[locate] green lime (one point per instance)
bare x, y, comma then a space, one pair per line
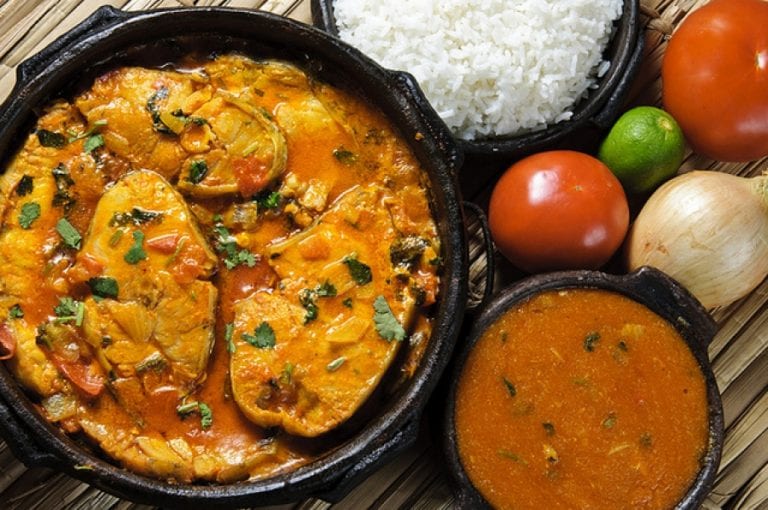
644, 148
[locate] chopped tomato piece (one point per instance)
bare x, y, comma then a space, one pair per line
165, 243
84, 376
252, 175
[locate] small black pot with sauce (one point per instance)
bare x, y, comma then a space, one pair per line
647, 286
110, 38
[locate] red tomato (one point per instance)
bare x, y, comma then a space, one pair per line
558, 210
715, 79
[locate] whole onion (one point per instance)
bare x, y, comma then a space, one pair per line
709, 231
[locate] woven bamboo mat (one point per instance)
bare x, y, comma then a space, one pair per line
739, 352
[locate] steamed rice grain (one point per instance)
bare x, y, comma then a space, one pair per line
488, 67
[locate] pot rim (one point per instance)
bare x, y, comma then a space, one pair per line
334, 473
651, 288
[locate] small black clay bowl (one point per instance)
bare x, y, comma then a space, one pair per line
596, 112
647, 286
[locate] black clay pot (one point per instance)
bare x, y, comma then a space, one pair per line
647, 286
110, 38
596, 112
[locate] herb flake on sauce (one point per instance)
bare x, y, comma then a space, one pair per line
360, 273
29, 213
68, 233
263, 336
136, 253
590, 341
385, 321
509, 386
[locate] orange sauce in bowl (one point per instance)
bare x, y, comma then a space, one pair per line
581, 399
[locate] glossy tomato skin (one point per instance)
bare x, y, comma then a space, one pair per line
715, 79
558, 210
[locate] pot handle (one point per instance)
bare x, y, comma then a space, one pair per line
407, 84
615, 102
481, 257
21, 440
102, 17
690, 317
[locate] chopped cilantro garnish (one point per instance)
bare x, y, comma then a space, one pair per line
25, 186
308, 298
136, 217
347, 302
69, 309
263, 336
198, 169
233, 254
104, 286
51, 139
360, 273
229, 328
92, 143
29, 213
136, 252
385, 321
154, 110
63, 180
335, 364
590, 340
509, 386
68, 233
201, 408
15, 312
268, 199
344, 155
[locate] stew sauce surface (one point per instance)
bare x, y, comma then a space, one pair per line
206, 270
581, 399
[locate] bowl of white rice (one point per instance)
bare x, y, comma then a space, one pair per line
508, 78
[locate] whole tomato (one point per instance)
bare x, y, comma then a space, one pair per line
715, 79
558, 210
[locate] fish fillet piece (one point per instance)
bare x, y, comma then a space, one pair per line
144, 238
308, 354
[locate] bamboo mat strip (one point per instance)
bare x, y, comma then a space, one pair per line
739, 351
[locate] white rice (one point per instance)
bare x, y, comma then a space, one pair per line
488, 67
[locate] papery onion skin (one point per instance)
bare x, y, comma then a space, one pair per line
709, 231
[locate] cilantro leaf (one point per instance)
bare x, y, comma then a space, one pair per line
135, 216
308, 298
360, 273
136, 252
25, 186
206, 415
344, 156
387, 325
198, 169
62, 197
104, 286
591, 340
68, 233
268, 199
15, 312
263, 336
29, 213
92, 143
229, 329
201, 408
51, 139
68, 310
233, 255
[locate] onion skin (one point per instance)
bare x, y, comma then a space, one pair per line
709, 231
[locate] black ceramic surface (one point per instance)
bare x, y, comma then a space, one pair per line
597, 111
648, 286
109, 38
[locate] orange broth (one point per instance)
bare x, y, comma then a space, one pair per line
581, 399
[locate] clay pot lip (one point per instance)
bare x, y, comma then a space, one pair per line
648, 286
107, 38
